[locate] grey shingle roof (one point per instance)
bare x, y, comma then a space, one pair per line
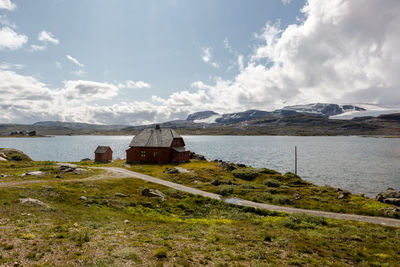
154, 138
180, 149
101, 149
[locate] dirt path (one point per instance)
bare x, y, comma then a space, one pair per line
247, 203
117, 173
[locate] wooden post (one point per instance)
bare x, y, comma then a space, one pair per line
295, 160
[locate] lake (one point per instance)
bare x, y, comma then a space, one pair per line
358, 164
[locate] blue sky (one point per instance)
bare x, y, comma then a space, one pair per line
139, 62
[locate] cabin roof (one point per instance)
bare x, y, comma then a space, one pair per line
101, 149
154, 138
180, 149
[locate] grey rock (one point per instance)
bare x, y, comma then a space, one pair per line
83, 198
296, 196
33, 202
171, 171
153, 193
59, 176
390, 196
120, 195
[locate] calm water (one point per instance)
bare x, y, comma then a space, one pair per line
368, 165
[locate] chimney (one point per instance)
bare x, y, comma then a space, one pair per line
157, 126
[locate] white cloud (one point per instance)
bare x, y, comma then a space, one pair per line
35, 48
11, 40
342, 51
7, 4
10, 66
207, 57
133, 84
6, 22
80, 73
89, 90
75, 61
58, 65
45, 36
285, 2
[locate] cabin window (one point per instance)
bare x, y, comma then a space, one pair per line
155, 154
143, 154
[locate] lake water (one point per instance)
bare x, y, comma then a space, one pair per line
358, 164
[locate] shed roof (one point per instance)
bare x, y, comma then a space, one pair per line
154, 138
101, 149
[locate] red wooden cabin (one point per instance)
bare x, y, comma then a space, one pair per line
103, 154
157, 146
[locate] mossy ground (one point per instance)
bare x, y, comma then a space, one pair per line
268, 187
183, 230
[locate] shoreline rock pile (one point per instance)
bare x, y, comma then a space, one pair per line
389, 196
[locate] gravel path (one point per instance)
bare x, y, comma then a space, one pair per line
115, 172
361, 218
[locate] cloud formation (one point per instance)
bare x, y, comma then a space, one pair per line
340, 51
207, 57
10, 40
75, 61
45, 36
133, 84
7, 4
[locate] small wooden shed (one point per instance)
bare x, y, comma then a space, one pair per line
103, 154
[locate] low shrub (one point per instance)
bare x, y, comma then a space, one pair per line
272, 183
225, 190
267, 171
281, 199
245, 174
301, 220
160, 253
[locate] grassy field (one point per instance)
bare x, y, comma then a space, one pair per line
104, 228
267, 187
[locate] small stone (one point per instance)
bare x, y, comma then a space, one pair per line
126, 221
83, 198
120, 195
297, 196
75, 225
59, 176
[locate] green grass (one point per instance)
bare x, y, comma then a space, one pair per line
267, 187
183, 230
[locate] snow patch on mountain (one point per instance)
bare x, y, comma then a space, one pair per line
211, 119
369, 110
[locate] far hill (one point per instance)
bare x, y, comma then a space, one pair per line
311, 119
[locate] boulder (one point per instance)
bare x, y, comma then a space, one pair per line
33, 202
120, 195
85, 159
389, 196
38, 173
197, 156
2, 159
153, 193
388, 193
171, 171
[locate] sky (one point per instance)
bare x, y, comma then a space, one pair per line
139, 62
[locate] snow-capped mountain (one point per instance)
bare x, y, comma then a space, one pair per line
332, 111
325, 109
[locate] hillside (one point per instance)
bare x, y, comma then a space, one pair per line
94, 218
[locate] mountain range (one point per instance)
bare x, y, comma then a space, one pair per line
310, 119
